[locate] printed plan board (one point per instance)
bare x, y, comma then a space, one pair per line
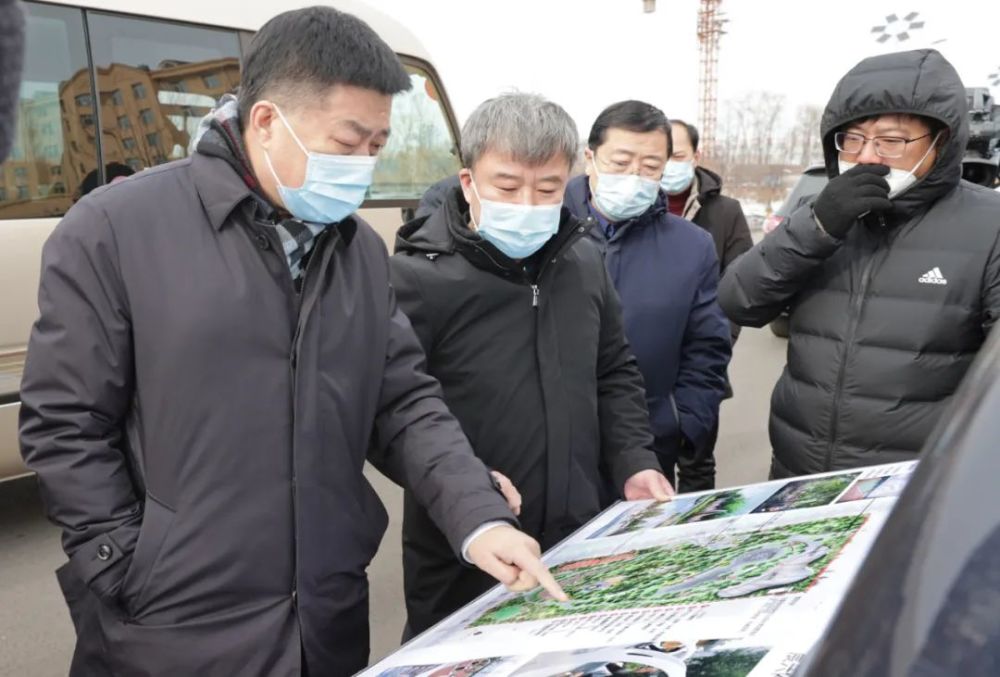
735, 582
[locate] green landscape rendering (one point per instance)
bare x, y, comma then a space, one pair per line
773, 560
808, 493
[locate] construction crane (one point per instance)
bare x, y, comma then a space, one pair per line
710, 25
710, 28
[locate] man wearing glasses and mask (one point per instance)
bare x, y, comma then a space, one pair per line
891, 274
665, 270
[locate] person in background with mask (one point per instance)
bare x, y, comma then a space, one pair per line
891, 275
665, 270
695, 193
219, 351
524, 331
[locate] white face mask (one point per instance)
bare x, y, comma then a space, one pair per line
899, 180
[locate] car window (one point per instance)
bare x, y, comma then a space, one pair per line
54, 146
156, 81
422, 149
809, 185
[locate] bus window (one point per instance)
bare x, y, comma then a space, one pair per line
54, 147
421, 149
157, 80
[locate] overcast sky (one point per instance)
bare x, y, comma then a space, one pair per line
585, 54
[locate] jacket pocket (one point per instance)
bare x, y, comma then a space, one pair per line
156, 522
75, 592
85, 610
676, 412
664, 417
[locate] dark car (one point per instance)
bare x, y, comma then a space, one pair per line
808, 186
924, 603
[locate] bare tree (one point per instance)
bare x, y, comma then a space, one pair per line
765, 109
754, 146
420, 151
807, 129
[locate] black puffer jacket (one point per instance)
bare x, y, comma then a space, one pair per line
884, 324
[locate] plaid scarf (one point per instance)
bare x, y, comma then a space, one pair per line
220, 135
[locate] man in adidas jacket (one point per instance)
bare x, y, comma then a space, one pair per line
891, 275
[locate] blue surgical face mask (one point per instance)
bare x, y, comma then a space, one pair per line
334, 186
623, 196
677, 177
516, 230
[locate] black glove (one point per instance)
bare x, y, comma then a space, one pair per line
850, 196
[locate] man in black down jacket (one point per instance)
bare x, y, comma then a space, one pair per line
523, 329
891, 275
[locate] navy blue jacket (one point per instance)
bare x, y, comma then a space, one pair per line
667, 272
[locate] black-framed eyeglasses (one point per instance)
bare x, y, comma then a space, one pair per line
619, 166
889, 147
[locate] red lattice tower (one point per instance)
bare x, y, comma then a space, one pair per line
710, 23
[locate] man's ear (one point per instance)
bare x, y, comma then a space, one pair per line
471, 197
588, 162
263, 117
465, 179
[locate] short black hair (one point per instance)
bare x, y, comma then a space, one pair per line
317, 47
935, 125
632, 116
692, 131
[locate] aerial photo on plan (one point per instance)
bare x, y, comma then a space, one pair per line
782, 559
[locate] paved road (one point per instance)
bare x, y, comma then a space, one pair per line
35, 632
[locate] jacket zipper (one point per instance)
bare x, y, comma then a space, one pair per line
541, 387
315, 254
535, 288
855, 319
535, 294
